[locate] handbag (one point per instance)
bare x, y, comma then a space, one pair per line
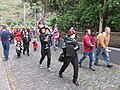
61, 57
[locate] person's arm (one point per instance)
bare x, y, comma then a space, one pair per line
42, 39
77, 46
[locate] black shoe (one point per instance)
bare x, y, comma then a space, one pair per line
75, 82
60, 75
109, 66
92, 69
96, 64
28, 54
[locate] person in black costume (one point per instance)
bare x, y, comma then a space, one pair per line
45, 39
69, 50
26, 41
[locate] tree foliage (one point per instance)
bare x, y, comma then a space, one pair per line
80, 13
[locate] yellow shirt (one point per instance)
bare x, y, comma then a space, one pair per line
103, 41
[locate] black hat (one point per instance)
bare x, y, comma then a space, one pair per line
41, 29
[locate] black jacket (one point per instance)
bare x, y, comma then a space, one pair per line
43, 43
70, 44
26, 40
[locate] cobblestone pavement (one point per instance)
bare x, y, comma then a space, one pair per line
26, 74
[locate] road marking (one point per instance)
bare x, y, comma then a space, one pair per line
117, 49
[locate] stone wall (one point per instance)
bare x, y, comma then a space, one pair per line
114, 42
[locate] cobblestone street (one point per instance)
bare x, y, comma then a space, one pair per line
24, 74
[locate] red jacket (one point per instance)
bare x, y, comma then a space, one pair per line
87, 43
35, 45
18, 36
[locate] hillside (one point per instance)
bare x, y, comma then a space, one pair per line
12, 10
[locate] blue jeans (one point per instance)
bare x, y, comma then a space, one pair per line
99, 52
6, 47
55, 43
91, 56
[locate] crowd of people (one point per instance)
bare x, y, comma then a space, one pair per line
48, 37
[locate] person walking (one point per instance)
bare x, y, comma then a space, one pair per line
45, 39
56, 37
70, 48
35, 45
88, 50
26, 42
5, 35
103, 42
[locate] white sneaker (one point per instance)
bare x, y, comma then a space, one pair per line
40, 65
49, 69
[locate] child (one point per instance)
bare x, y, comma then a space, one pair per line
18, 49
48, 36
35, 45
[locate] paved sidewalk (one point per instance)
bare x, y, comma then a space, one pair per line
26, 74
4, 84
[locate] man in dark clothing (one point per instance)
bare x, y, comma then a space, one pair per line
5, 34
71, 46
45, 47
26, 42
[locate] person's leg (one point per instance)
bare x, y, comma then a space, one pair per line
27, 47
24, 48
75, 66
85, 54
99, 51
106, 57
91, 56
43, 54
48, 58
18, 53
6, 47
54, 44
66, 62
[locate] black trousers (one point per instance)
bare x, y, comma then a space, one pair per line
74, 62
44, 54
26, 47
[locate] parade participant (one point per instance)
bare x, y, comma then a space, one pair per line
55, 37
88, 50
26, 41
12, 37
18, 36
35, 45
5, 34
45, 47
93, 38
18, 49
102, 49
69, 50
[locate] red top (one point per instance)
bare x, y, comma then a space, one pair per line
87, 44
35, 45
56, 36
18, 36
